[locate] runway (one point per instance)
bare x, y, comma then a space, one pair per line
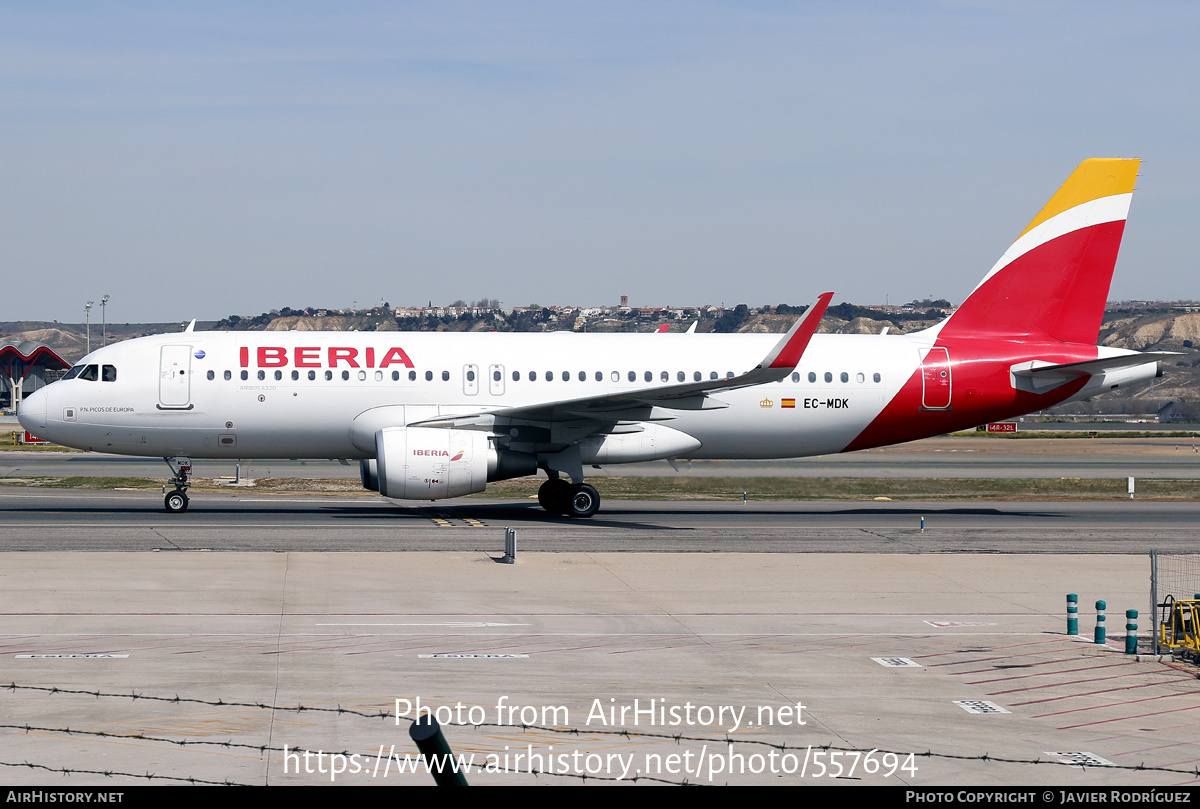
74, 520
953, 457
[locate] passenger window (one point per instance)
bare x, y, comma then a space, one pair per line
345, 376
312, 375
329, 376
633, 376
108, 373
412, 376
245, 375
648, 376
812, 377
445, 376
876, 377
262, 375
599, 376
712, 374
295, 376
729, 374
516, 376
497, 376
861, 377
795, 377
429, 376
680, 376
228, 376
470, 376
845, 377
90, 373
211, 375
549, 376
828, 377
583, 376
566, 376
696, 377
615, 376
395, 376
278, 375
533, 376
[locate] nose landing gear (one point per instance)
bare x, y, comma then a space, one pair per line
176, 502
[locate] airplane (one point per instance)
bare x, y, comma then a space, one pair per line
431, 416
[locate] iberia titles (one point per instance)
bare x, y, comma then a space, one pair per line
317, 357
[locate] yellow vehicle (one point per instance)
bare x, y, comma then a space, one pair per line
1179, 625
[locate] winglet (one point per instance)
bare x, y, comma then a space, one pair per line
191, 326
787, 352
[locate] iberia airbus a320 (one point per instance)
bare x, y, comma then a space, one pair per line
433, 415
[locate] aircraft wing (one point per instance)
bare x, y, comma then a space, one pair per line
779, 362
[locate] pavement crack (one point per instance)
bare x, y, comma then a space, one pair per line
173, 545
287, 564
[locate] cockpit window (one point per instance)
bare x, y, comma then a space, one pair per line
74, 372
109, 373
91, 373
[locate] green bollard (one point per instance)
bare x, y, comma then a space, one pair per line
1101, 634
1131, 632
427, 733
1072, 614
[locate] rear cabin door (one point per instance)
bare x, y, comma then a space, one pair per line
935, 380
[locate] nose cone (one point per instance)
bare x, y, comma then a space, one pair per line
32, 413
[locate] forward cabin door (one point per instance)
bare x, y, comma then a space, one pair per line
935, 380
175, 378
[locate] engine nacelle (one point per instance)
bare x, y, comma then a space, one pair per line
427, 463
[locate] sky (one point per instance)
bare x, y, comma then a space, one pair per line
204, 159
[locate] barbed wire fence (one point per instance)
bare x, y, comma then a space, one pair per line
386, 715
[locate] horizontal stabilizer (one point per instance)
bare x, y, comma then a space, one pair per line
1033, 369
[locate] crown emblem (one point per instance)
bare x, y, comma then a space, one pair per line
766, 403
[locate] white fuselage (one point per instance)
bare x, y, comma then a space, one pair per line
296, 394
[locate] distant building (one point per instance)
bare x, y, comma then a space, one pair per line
24, 368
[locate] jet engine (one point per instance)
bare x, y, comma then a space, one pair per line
428, 463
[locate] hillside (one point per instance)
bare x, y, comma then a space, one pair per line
1151, 330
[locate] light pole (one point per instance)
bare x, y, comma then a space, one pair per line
87, 308
104, 318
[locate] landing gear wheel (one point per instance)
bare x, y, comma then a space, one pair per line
176, 502
585, 501
555, 496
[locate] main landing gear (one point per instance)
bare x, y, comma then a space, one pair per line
558, 496
176, 502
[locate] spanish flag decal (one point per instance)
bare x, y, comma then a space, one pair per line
788, 403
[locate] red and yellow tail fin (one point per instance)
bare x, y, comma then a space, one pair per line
1053, 282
